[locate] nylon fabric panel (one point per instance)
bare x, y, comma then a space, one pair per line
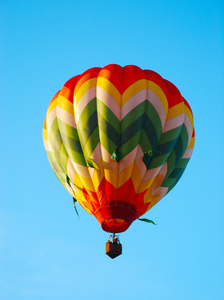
109, 81
118, 139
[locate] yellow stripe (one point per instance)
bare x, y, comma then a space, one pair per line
82, 201
45, 135
154, 199
125, 175
191, 145
83, 89
146, 185
65, 104
51, 106
82, 204
87, 183
133, 89
136, 176
176, 111
147, 196
97, 177
159, 92
65, 92
111, 177
189, 114
77, 181
109, 88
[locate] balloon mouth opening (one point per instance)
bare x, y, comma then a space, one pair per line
114, 225
116, 217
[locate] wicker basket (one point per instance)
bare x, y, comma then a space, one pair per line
113, 249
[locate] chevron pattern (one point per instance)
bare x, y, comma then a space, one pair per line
118, 139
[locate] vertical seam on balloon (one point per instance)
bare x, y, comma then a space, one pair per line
84, 155
173, 145
189, 139
75, 171
119, 145
103, 177
136, 151
48, 131
160, 167
136, 192
77, 174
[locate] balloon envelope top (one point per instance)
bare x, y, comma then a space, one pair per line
118, 139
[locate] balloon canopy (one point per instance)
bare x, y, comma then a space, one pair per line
118, 139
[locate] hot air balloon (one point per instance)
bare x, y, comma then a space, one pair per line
118, 139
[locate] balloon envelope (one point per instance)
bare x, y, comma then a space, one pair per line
118, 139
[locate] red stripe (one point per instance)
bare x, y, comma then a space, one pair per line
131, 74
174, 94
157, 79
87, 75
67, 90
114, 74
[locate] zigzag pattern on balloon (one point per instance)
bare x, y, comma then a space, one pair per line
118, 136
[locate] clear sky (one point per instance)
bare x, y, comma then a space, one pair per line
46, 252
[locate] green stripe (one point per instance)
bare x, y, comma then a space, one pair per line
86, 113
133, 115
71, 143
177, 151
107, 144
88, 128
91, 143
107, 115
126, 148
57, 145
56, 167
109, 131
158, 161
145, 143
63, 157
176, 174
154, 119
170, 135
68, 130
132, 130
171, 163
150, 132
76, 157
184, 139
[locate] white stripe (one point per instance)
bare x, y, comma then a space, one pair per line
75, 188
174, 122
96, 155
188, 153
159, 179
187, 123
50, 120
155, 101
70, 170
108, 100
81, 170
127, 160
133, 102
69, 189
139, 98
108, 163
162, 191
65, 116
141, 166
86, 98
152, 173
47, 146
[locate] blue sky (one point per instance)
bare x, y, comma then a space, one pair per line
46, 252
